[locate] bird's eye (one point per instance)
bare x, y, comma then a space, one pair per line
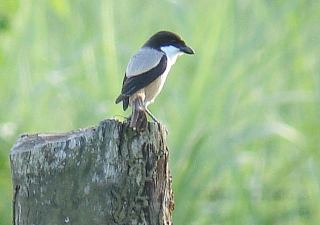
174, 42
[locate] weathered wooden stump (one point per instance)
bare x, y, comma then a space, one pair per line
107, 174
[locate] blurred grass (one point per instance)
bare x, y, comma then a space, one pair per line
243, 114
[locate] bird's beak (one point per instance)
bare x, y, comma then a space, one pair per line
186, 49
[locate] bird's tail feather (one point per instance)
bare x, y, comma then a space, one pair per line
138, 118
120, 98
125, 101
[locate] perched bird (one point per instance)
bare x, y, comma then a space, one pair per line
147, 71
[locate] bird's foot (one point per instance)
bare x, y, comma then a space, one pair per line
151, 116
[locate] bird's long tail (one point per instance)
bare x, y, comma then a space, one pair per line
138, 117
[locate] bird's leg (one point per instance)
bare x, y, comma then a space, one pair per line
138, 115
150, 114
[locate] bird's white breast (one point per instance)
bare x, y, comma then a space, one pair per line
153, 89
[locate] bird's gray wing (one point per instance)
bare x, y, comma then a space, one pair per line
143, 68
144, 60
134, 83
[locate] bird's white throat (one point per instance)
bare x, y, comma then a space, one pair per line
172, 53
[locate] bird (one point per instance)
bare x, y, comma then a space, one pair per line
147, 71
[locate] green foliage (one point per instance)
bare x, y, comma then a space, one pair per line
243, 114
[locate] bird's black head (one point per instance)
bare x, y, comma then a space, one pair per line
167, 38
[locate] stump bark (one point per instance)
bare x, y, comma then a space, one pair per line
107, 174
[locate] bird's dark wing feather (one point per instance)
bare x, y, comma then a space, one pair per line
134, 83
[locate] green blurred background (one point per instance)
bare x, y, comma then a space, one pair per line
243, 114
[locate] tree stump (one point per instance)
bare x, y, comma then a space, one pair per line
107, 174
